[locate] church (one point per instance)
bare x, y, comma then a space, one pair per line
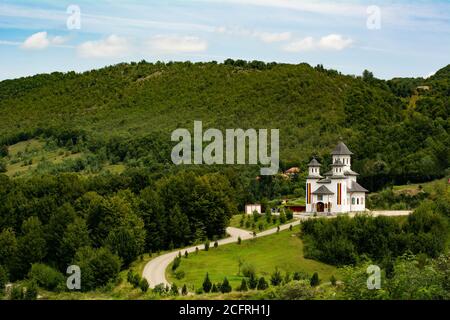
337, 191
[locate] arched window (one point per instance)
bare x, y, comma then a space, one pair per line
357, 200
353, 200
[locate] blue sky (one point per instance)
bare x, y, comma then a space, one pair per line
390, 38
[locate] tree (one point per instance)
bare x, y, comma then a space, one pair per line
46, 277
4, 150
315, 281
243, 286
225, 286
32, 245
216, 244
276, 278
143, 285
262, 284
3, 166
3, 279
184, 290
75, 237
206, 245
239, 241
31, 291
215, 288
333, 280
174, 290
252, 281
207, 284
186, 254
8, 250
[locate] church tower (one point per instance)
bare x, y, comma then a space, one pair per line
311, 183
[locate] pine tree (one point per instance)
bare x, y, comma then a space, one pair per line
216, 244
225, 287
276, 278
243, 286
315, 281
143, 285
239, 241
262, 284
186, 254
207, 284
252, 281
214, 288
184, 290
174, 290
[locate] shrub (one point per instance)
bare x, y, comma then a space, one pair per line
333, 280
46, 277
174, 290
262, 284
216, 244
31, 291
276, 278
206, 245
3, 279
143, 285
248, 270
215, 288
300, 276
159, 289
315, 281
184, 290
243, 286
282, 217
225, 287
295, 290
239, 241
252, 281
207, 284
176, 263
289, 214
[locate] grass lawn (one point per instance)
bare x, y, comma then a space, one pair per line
235, 222
429, 187
283, 250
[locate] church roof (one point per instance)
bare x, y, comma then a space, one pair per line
315, 177
329, 173
323, 191
341, 150
351, 173
356, 187
326, 180
314, 163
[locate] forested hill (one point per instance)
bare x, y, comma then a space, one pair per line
397, 133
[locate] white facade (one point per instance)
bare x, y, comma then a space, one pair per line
250, 208
337, 191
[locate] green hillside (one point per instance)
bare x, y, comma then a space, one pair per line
125, 113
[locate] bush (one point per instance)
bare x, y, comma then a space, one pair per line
282, 217
176, 263
300, 276
225, 287
31, 291
239, 241
143, 285
215, 288
3, 278
315, 281
248, 270
216, 244
289, 214
252, 281
207, 284
276, 278
159, 289
206, 245
295, 290
333, 280
262, 284
46, 277
174, 290
243, 286
184, 290
134, 279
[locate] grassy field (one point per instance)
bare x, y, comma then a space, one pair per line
429, 187
260, 225
283, 250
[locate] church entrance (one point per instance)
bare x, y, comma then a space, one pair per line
320, 207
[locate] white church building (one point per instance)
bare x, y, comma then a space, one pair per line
336, 191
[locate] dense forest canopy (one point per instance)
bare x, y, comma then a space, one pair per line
126, 112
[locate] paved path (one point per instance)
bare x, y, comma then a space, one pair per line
155, 269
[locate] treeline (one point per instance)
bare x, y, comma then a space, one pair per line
68, 219
348, 241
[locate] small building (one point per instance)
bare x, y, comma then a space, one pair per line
293, 171
250, 208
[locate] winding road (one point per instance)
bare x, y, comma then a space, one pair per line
155, 269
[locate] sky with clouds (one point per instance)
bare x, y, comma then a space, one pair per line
390, 38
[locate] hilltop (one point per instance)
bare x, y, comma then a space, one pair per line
126, 113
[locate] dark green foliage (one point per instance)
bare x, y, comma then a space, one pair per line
184, 290
207, 284
176, 263
315, 281
225, 287
98, 267
345, 240
333, 280
134, 279
143, 285
276, 278
243, 286
206, 245
262, 284
31, 291
46, 277
239, 240
174, 290
216, 244
252, 281
3, 279
215, 288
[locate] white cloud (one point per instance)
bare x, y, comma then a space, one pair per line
112, 46
334, 42
177, 44
305, 44
36, 41
42, 40
269, 37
